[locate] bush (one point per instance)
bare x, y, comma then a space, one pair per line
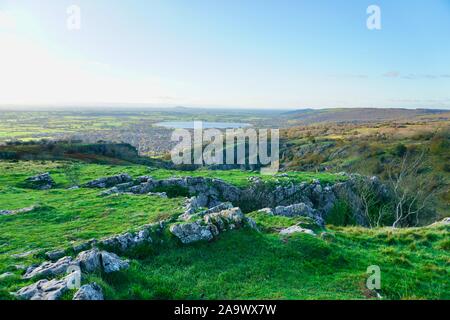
340, 215
400, 150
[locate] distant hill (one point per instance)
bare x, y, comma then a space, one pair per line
358, 115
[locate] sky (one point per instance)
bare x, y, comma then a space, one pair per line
226, 53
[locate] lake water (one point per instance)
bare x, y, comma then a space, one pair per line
205, 124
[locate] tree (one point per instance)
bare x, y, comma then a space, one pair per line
413, 192
72, 173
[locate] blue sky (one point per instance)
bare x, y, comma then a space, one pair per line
247, 53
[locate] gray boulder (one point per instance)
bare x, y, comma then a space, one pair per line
96, 260
296, 229
126, 241
226, 219
212, 223
299, 209
89, 292
158, 194
108, 182
223, 206
13, 212
40, 182
50, 269
45, 289
55, 254
89, 261
112, 263
191, 232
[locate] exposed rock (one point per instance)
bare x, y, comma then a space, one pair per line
6, 275
223, 206
212, 223
142, 179
50, 269
296, 229
89, 261
252, 224
266, 211
112, 263
96, 260
158, 194
128, 240
446, 220
226, 219
45, 289
89, 292
55, 254
108, 182
191, 232
40, 182
109, 192
299, 209
84, 245
13, 212
193, 204
24, 254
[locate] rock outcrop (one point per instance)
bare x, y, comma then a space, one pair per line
45, 289
296, 229
89, 292
299, 209
41, 181
128, 240
50, 269
209, 193
96, 260
108, 182
192, 232
210, 225
18, 211
55, 254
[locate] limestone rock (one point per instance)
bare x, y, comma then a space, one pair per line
112, 263
191, 232
40, 182
158, 194
55, 254
13, 212
128, 240
231, 219
296, 229
89, 292
96, 260
45, 289
108, 182
89, 261
50, 269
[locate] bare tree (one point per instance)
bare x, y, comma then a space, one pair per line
413, 192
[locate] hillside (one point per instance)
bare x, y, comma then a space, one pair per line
359, 115
374, 149
250, 260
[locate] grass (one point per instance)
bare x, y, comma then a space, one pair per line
244, 264
241, 264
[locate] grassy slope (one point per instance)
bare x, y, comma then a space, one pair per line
240, 264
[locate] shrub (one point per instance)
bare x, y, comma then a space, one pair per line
340, 215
